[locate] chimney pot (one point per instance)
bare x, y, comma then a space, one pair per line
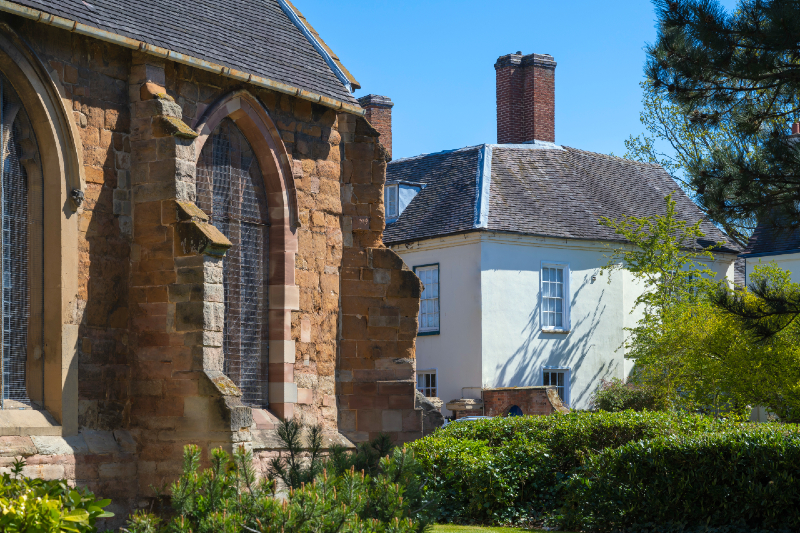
796, 128
525, 98
379, 114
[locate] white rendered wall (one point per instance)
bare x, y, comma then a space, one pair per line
490, 327
789, 262
456, 351
515, 348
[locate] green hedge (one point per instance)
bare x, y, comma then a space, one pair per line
475, 481
525, 468
749, 477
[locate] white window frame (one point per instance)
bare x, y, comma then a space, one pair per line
566, 322
567, 372
389, 191
431, 330
436, 387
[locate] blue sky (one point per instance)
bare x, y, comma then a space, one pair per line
435, 59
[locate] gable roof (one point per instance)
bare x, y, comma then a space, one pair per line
536, 189
265, 42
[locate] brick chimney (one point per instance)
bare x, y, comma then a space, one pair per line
526, 87
379, 114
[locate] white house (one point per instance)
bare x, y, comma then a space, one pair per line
506, 240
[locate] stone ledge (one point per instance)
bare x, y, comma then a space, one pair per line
28, 422
465, 404
267, 439
89, 442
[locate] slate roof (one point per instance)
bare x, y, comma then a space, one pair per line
253, 36
768, 240
536, 189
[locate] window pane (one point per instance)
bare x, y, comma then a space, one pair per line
429, 304
560, 274
545, 274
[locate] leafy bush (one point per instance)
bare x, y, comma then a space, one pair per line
524, 468
573, 437
617, 395
36, 505
745, 477
478, 482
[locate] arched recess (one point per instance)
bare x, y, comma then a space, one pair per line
60, 161
258, 128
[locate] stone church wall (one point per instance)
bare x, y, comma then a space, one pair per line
149, 305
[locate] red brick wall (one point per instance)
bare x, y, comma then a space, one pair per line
531, 400
379, 115
525, 88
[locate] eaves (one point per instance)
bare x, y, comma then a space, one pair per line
184, 59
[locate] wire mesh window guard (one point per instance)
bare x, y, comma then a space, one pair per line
21, 243
230, 189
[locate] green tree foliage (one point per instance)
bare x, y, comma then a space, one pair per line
39, 506
303, 460
664, 257
737, 74
697, 354
676, 143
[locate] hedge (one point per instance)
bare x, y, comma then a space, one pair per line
747, 477
514, 469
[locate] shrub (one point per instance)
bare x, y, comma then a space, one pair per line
745, 477
227, 498
617, 395
521, 468
46, 506
476, 482
573, 437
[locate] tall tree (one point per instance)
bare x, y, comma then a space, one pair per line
673, 141
738, 72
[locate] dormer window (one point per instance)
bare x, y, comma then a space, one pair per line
391, 201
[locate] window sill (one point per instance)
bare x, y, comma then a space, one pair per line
28, 423
426, 333
556, 331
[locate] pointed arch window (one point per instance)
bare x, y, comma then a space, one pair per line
230, 189
21, 257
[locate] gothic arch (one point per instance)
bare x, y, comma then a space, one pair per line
258, 128
51, 149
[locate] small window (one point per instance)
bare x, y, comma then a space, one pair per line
558, 379
429, 302
426, 383
555, 297
391, 201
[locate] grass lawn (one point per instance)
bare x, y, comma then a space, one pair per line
450, 528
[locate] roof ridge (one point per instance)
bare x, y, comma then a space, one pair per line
420, 156
612, 156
